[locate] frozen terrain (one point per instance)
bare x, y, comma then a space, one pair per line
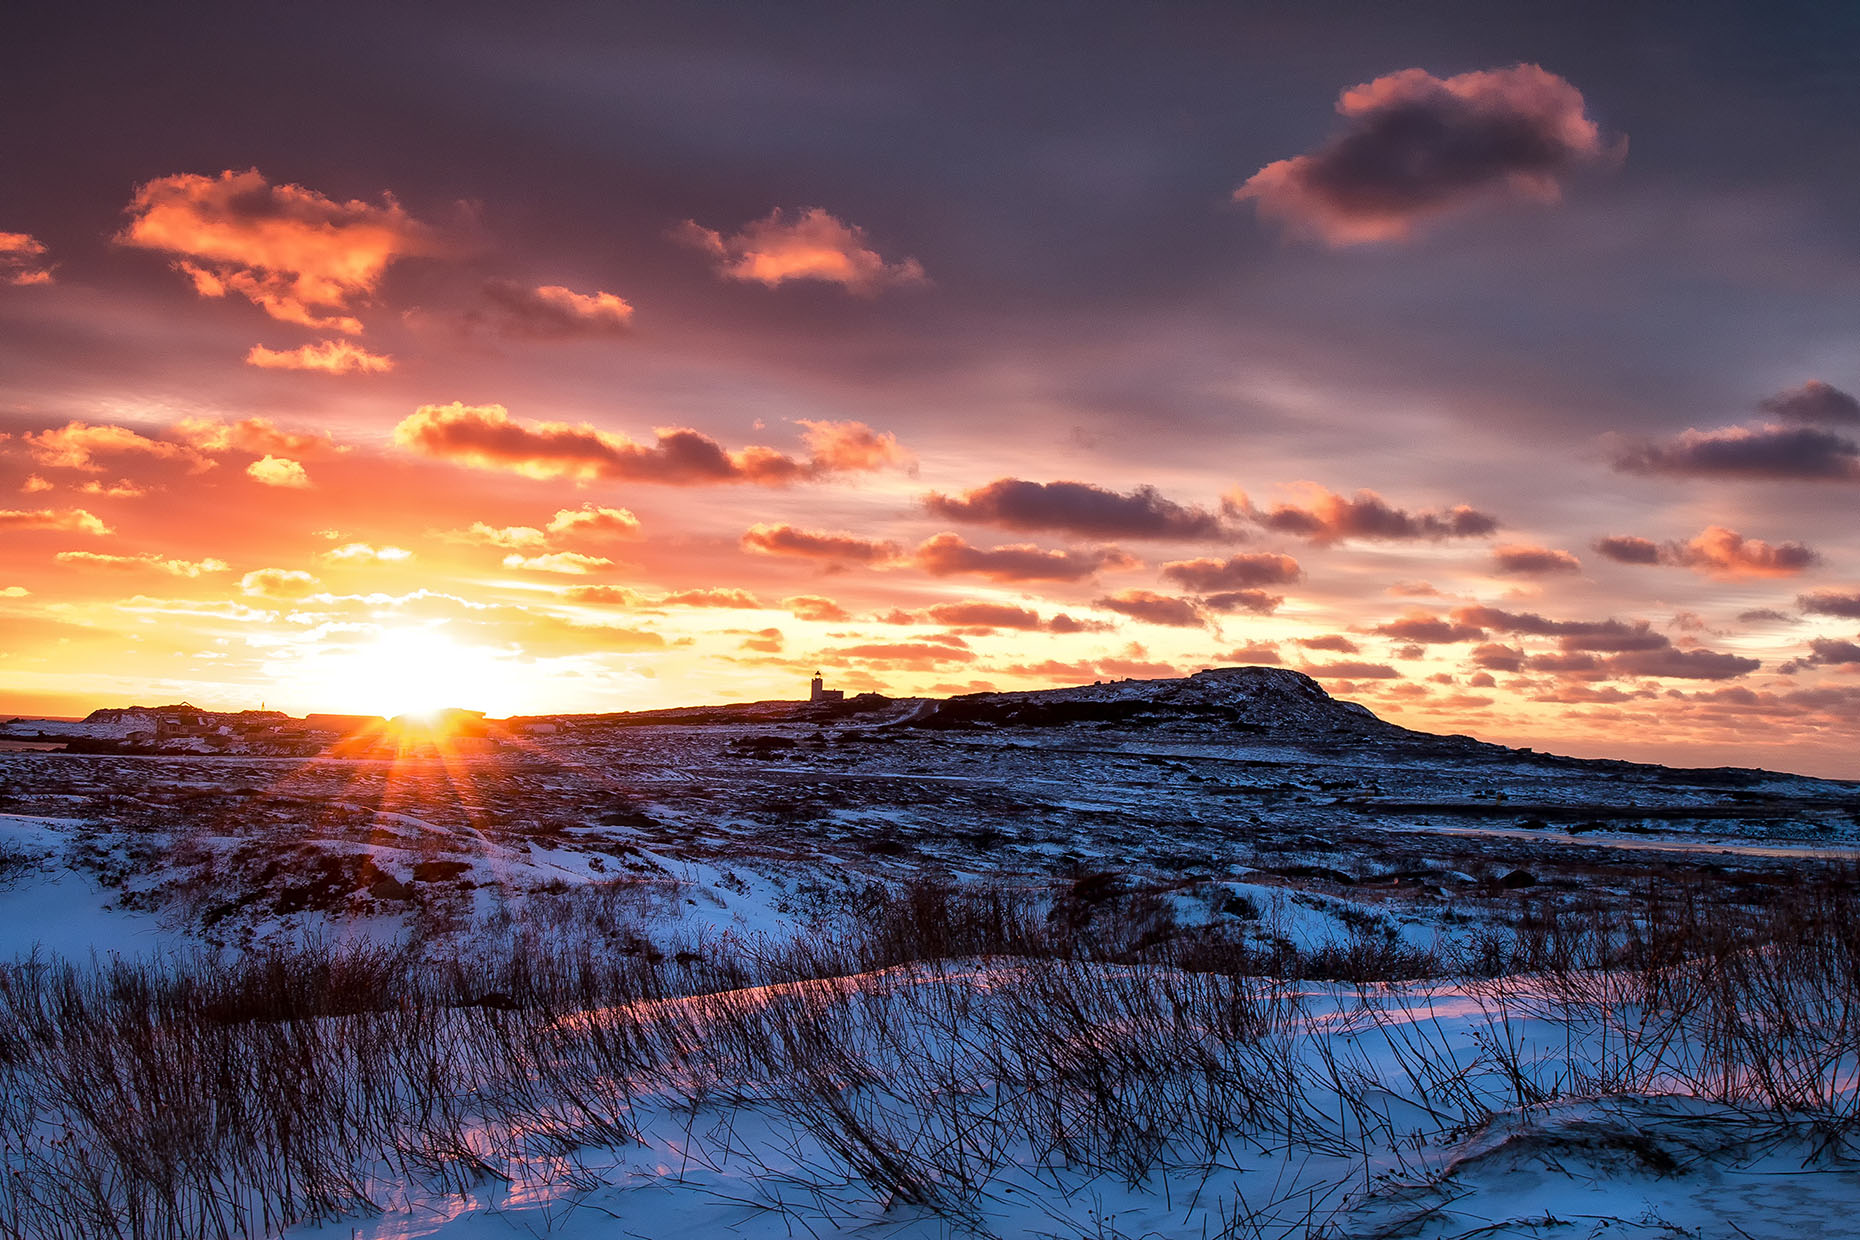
1258, 964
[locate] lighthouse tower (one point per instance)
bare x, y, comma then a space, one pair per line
818, 691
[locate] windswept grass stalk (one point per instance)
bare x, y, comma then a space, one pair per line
937, 1038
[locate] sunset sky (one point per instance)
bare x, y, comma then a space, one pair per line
1490, 363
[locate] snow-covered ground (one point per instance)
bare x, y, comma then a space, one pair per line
1391, 1113
1153, 822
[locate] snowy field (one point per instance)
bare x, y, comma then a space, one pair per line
1214, 957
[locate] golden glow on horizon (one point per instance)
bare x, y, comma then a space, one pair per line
407, 671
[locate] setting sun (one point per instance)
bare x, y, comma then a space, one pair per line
413, 671
1052, 618
1294, 363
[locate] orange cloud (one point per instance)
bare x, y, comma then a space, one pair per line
1727, 553
299, 256
77, 445
616, 595
122, 488
852, 447
593, 521
588, 522
921, 656
765, 641
740, 600
22, 260
811, 246
513, 537
815, 607
487, 437
277, 471
75, 521
148, 559
281, 584
334, 357
552, 312
258, 435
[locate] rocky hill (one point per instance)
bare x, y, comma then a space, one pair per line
1246, 698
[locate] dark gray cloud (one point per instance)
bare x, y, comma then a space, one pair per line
1079, 508
1830, 603
1430, 630
1415, 146
839, 548
1153, 608
1498, 658
1830, 652
1628, 549
1238, 572
1564, 664
1533, 561
1258, 602
1798, 452
1682, 664
1814, 401
1603, 635
947, 554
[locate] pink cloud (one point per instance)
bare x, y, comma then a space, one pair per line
811, 245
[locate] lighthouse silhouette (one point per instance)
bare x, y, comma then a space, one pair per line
818, 691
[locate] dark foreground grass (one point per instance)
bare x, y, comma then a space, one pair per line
229, 1096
